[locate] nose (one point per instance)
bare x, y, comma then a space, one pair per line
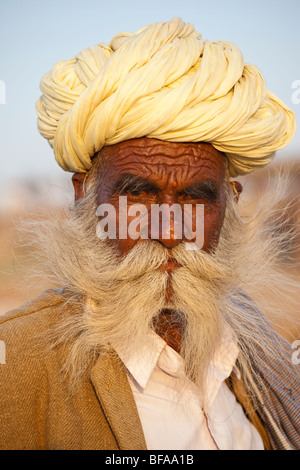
166, 224
169, 243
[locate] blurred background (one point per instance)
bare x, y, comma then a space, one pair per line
35, 34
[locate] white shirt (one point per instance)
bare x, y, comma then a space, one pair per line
170, 407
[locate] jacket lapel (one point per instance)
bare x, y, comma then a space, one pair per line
114, 393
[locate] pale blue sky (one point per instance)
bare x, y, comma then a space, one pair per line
35, 34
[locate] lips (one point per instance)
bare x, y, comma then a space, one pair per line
170, 265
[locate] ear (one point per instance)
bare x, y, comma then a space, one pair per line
237, 189
78, 180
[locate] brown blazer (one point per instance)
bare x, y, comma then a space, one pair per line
37, 411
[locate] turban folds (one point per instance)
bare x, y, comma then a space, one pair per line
162, 82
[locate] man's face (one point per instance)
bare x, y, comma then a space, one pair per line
150, 171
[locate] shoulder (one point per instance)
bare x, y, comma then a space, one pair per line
25, 368
21, 329
48, 298
25, 358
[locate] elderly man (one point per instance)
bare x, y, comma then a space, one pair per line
151, 341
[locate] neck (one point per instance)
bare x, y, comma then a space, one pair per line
169, 326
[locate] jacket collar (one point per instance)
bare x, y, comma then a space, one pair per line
110, 382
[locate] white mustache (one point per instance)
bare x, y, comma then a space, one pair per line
149, 256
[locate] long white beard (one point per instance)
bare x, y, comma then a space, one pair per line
135, 292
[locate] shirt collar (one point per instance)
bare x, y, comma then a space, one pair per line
141, 363
221, 365
225, 356
155, 352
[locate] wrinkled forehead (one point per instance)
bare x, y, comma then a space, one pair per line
158, 160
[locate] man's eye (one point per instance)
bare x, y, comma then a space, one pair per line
135, 192
198, 197
208, 195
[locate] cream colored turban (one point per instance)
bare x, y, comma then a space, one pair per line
162, 82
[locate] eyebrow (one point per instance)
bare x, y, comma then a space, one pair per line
130, 184
205, 189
